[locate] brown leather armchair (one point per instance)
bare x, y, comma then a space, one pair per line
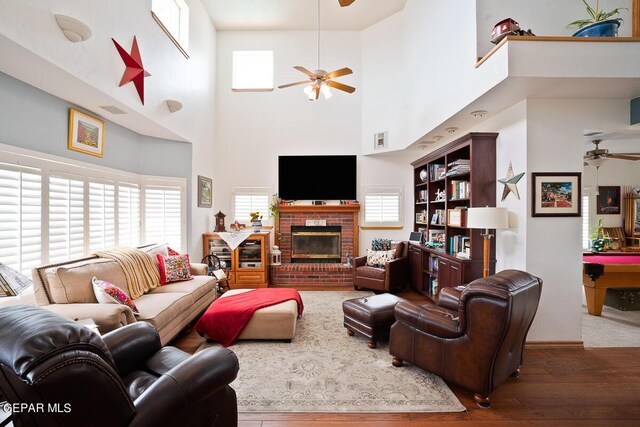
73, 377
394, 276
474, 338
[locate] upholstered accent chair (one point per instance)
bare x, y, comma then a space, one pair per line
473, 338
124, 378
392, 277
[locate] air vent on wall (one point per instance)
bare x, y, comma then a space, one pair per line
113, 109
380, 140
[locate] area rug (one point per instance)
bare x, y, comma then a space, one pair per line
325, 370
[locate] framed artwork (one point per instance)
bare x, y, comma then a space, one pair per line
636, 217
86, 133
608, 200
205, 192
455, 217
555, 194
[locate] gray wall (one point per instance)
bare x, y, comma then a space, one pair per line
33, 119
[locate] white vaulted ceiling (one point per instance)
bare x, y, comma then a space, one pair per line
260, 15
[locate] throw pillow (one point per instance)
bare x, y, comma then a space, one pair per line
381, 244
379, 258
108, 293
171, 252
174, 268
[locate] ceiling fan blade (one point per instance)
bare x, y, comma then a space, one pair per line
294, 84
623, 156
344, 3
337, 73
304, 70
340, 86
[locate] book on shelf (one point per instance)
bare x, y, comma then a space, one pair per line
460, 162
436, 171
459, 189
458, 243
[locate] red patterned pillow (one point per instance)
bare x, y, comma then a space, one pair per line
174, 268
171, 252
108, 293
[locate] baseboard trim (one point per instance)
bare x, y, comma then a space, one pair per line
554, 344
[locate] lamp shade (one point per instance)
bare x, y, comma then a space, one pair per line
487, 217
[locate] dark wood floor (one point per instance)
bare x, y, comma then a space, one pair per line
557, 386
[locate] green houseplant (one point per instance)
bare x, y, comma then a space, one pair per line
598, 23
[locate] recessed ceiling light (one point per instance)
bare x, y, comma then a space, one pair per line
112, 109
451, 129
479, 113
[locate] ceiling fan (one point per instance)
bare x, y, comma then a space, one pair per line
595, 157
319, 80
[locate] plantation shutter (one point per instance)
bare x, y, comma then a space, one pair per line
66, 218
382, 206
163, 216
102, 220
20, 218
128, 215
246, 201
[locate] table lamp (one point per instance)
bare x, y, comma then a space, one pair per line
487, 218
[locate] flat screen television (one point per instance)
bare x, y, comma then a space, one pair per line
317, 177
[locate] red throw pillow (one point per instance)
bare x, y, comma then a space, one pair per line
174, 268
171, 252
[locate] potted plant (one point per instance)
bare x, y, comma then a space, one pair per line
598, 24
256, 221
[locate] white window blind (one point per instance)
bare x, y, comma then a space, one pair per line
252, 70
128, 215
20, 218
102, 215
66, 218
382, 206
250, 200
163, 216
585, 222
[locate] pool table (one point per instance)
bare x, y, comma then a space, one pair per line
606, 270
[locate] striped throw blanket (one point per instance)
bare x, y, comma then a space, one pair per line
141, 273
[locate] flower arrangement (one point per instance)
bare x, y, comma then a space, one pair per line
255, 216
595, 15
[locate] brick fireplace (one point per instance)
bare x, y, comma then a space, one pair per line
338, 217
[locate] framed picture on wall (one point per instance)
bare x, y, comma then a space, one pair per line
555, 194
205, 192
86, 133
608, 200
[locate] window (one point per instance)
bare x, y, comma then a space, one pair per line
163, 215
252, 71
250, 199
382, 206
66, 218
54, 209
585, 222
20, 217
173, 18
128, 215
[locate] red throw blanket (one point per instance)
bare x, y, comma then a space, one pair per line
226, 317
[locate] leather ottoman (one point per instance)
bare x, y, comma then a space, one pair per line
370, 316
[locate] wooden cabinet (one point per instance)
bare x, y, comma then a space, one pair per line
247, 266
415, 261
448, 181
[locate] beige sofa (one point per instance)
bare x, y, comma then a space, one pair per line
66, 288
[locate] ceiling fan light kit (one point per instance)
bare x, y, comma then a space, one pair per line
319, 81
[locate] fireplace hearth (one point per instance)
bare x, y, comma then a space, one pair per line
316, 244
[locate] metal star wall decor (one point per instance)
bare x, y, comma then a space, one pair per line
134, 72
510, 182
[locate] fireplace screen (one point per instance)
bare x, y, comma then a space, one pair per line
315, 246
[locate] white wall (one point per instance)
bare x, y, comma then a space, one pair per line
89, 72
542, 17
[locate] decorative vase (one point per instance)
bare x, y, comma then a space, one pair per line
608, 28
597, 246
257, 225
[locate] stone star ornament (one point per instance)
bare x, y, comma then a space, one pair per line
510, 182
135, 71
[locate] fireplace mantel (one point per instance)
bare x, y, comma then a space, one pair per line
355, 207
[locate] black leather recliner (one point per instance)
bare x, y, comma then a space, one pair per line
73, 377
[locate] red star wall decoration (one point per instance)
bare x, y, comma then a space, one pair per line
134, 72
